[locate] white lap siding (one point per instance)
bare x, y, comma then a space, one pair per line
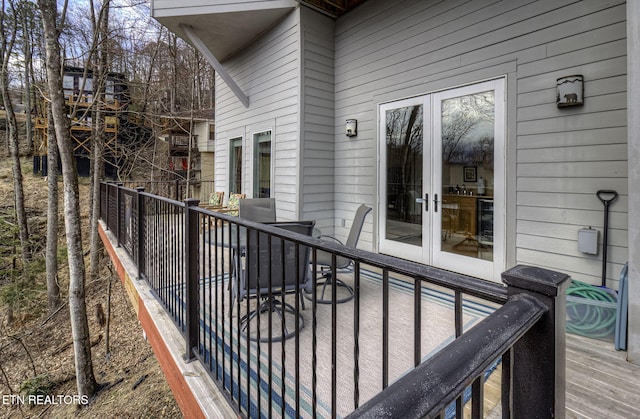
268, 73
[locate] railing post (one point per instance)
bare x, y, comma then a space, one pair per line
100, 198
118, 220
191, 273
538, 360
140, 236
107, 191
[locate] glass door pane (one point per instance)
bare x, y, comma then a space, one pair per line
262, 165
468, 177
235, 166
467, 135
404, 133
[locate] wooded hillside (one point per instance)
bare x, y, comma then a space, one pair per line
36, 351
67, 332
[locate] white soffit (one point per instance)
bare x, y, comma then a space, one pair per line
223, 29
222, 72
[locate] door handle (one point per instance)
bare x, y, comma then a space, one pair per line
424, 201
435, 203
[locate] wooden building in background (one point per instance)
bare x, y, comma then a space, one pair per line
79, 93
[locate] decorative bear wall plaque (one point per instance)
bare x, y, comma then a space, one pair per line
570, 91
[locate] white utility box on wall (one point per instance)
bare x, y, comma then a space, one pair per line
588, 241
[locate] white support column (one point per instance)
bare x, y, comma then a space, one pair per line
633, 141
222, 72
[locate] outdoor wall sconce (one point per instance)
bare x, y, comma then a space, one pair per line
352, 127
570, 91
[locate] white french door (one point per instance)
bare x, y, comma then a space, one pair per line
442, 179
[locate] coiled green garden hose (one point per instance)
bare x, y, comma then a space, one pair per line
591, 310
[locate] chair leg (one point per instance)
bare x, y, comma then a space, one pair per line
301, 293
331, 281
281, 310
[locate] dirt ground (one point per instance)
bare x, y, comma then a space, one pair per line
36, 344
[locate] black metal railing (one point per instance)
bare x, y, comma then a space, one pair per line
176, 189
431, 387
415, 341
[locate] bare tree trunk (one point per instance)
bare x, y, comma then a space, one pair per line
53, 289
14, 145
153, 161
102, 33
27, 79
147, 86
198, 80
85, 379
212, 84
194, 88
6, 134
174, 71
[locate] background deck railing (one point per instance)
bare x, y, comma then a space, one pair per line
415, 341
177, 189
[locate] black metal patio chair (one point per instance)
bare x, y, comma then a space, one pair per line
272, 268
329, 278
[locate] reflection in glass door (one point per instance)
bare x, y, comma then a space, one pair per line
442, 179
467, 176
403, 230
235, 166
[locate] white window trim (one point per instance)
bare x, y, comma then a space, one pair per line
252, 160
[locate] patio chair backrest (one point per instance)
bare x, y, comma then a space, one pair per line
216, 199
324, 258
234, 200
356, 225
274, 264
261, 210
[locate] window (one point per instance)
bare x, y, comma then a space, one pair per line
68, 86
262, 165
235, 166
67, 82
88, 85
109, 90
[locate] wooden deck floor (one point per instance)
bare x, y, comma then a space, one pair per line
600, 382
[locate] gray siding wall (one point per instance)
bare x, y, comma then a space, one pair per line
268, 72
318, 137
556, 158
